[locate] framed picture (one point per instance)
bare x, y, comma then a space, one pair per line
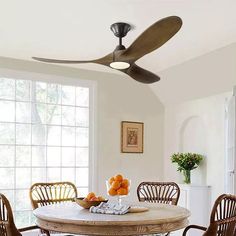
131, 137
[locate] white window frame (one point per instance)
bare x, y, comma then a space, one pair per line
71, 81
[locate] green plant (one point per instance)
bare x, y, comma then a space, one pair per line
186, 162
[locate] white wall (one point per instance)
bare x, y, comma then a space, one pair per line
118, 98
197, 126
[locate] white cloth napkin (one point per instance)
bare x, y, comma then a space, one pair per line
110, 208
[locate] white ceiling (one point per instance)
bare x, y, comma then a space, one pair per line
79, 29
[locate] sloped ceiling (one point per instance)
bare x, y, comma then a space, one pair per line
207, 75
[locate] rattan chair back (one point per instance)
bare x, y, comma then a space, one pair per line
223, 217
7, 225
159, 192
42, 194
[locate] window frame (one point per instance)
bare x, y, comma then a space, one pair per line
69, 81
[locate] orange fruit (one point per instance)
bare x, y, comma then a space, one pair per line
125, 183
91, 195
111, 180
122, 191
119, 178
115, 184
112, 192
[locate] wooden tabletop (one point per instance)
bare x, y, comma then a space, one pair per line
71, 218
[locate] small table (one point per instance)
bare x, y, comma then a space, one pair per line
71, 218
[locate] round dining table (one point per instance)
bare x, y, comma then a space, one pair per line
71, 218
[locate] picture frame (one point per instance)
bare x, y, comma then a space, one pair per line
132, 137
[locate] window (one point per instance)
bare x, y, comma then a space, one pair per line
44, 136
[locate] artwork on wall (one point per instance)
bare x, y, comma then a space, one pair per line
131, 137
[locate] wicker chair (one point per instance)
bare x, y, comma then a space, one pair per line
7, 225
159, 192
42, 194
223, 218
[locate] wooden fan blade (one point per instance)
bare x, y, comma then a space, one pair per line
103, 61
48, 60
141, 75
153, 37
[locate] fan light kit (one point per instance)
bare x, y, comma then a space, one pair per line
119, 65
124, 59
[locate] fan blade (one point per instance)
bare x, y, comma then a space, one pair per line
103, 61
153, 37
48, 60
141, 75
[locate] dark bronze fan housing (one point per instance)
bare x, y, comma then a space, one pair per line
123, 59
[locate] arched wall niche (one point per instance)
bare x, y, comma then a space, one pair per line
193, 138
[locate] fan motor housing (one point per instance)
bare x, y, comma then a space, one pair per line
120, 29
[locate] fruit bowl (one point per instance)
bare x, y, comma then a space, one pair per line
119, 187
87, 204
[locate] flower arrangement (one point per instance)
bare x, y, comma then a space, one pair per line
186, 162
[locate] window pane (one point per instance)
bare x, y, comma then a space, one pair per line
68, 95
68, 174
22, 200
82, 177
53, 156
7, 178
54, 115
7, 88
7, 155
54, 93
68, 156
82, 116
32, 218
38, 134
7, 111
23, 90
82, 96
54, 174
22, 218
39, 91
23, 155
68, 136
82, 137
82, 157
23, 112
68, 115
54, 136
10, 196
38, 156
39, 113
23, 179
23, 134
38, 175
7, 133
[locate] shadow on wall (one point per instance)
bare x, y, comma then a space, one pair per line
193, 138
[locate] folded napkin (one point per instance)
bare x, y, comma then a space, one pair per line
110, 208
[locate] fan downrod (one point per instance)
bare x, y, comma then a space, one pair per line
120, 30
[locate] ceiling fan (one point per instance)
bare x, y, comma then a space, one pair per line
123, 59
